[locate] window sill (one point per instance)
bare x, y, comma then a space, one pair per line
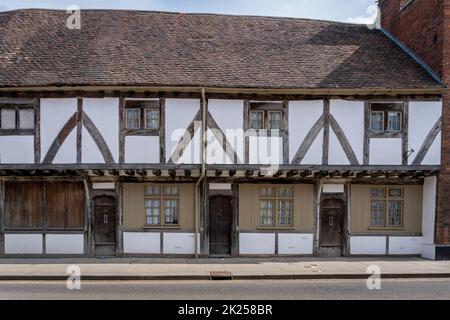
275, 228
161, 227
387, 228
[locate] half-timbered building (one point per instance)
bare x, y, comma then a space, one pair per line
150, 133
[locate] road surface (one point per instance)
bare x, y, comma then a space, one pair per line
230, 290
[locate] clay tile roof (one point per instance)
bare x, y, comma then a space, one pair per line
144, 48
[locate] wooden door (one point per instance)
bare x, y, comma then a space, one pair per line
105, 220
220, 225
331, 225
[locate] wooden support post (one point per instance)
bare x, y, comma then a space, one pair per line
347, 221
246, 128
37, 131
235, 224
317, 208
366, 147
88, 225
2, 218
162, 131
119, 202
326, 131
79, 128
286, 132
405, 142
122, 130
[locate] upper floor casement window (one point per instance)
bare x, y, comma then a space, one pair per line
386, 119
142, 117
386, 207
17, 118
266, 116
276, 207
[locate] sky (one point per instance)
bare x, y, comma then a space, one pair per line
355, 11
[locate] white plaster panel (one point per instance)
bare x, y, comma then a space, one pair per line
105, 115
302, 117
103, 185
433, 156
64, 244
385, 151
314, 154
23, 244
336, 154
54, 115
179, 243
405, 245
17, 149
265, 150
429, 251
192, 153
350, 116
429, 209
291, 243
333, 188
142, 242
215, 153
422, 117
257, 243
179, 114
90, 151
368, 245
141, 149
67, 153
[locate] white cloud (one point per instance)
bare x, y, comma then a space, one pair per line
372, 14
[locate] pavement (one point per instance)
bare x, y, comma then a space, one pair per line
221, 269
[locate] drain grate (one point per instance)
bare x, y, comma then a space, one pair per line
220, 275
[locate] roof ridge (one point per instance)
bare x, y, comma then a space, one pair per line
195, 14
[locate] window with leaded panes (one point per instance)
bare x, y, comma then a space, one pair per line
142, 117
257, 120
17, 119
276, 206
386, 119
386, 207
161, 205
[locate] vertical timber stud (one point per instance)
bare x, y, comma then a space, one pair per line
44, 196
162, 131
235, 225
366, 148
121, 130
317, 196
347, 221
405, 142
286, 132
246, 128
88, 242
79, 129
37, 131
2, 218
326, 131
119, 204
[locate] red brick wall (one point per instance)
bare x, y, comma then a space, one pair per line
443, 215
419, 25
424, 26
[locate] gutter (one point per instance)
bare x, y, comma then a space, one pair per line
202, 172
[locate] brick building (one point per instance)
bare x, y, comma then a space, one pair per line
424, 27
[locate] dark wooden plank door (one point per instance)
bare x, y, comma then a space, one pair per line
220, 225
105, 220
331, 225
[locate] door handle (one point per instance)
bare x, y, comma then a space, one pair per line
105, 219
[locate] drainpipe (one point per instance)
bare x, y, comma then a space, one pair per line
202, 173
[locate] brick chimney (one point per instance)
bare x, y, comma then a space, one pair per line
424, 27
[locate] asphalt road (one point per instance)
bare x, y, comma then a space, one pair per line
229, 290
